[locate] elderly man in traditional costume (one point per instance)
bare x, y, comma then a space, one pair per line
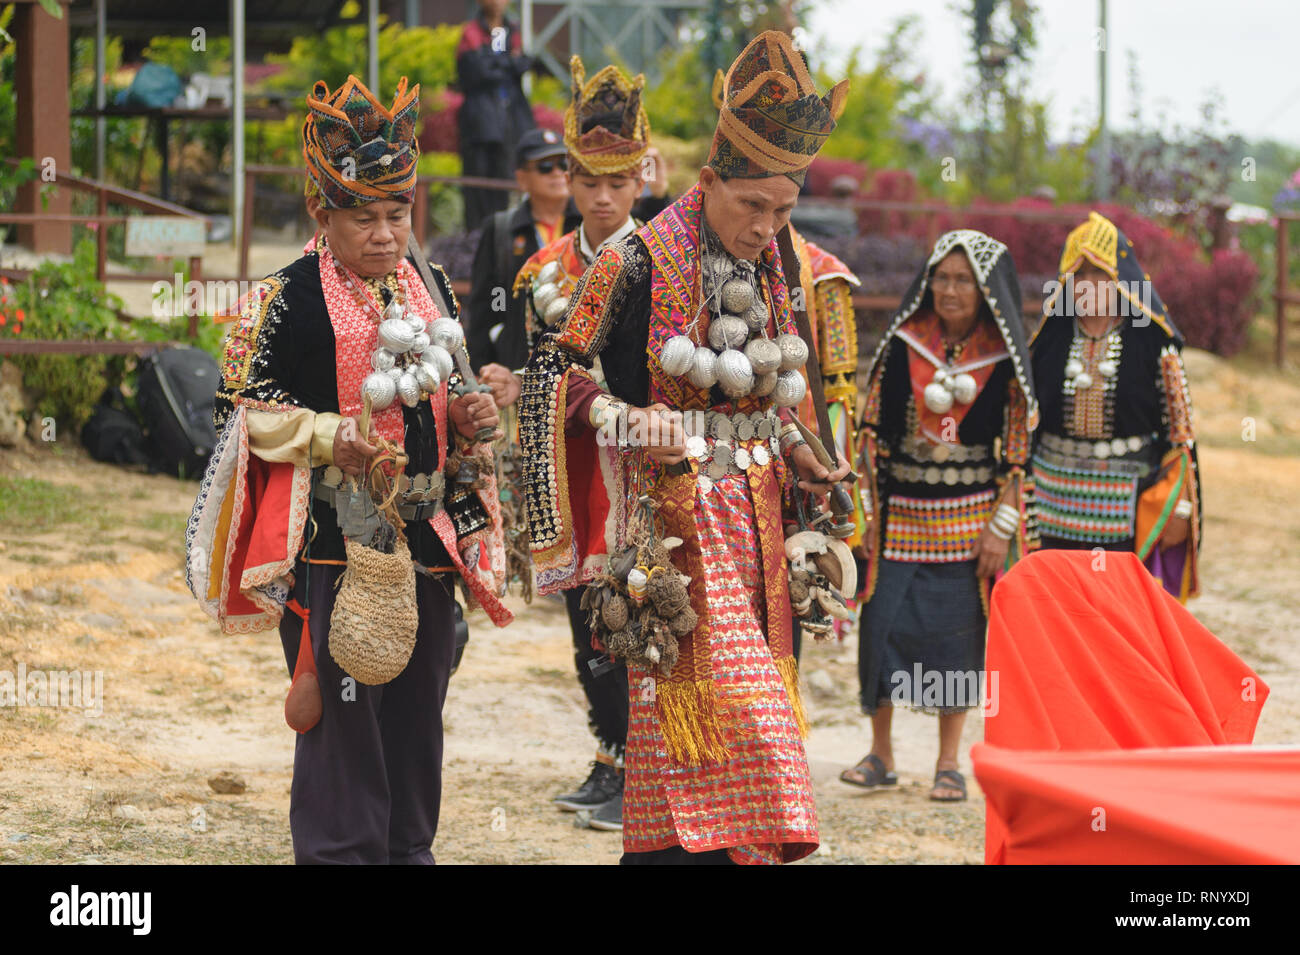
350, 332
607, 133
949, 415
1115, 462
677, 518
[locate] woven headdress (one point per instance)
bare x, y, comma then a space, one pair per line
772, 121
1097, 240
357, 151
605, 127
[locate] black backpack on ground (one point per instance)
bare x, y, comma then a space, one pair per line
175, 391
113, 434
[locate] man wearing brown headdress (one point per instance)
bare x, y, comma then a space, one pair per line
278, 521
693, 441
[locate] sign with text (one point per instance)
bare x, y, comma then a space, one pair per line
165, 235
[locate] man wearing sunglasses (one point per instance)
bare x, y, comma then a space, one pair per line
495, 326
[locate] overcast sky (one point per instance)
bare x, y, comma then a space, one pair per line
1248, 49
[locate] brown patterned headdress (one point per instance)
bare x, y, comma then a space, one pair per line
772, 121
605, 127
358, 151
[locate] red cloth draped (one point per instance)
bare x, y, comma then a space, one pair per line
1192, 805
1088, 652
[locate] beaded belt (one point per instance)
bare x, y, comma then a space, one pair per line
1084, 448
419, 496
920, 449
916, 474
716, 441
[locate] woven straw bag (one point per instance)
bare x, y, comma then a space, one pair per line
372, 629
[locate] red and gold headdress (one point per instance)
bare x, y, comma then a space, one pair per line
772, 121
605, 127
358, 151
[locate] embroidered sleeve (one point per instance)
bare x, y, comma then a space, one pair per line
1177, 398
596, 305
254, 366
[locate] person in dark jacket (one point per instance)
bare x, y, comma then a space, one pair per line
490, 65
495, 323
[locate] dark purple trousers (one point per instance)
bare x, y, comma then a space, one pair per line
367, 779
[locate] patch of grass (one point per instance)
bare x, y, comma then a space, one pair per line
171, 524
102, 556
29, 504
32, 558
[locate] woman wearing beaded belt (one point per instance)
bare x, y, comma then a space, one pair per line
1115, 462
945, 440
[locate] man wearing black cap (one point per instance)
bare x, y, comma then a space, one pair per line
495, 330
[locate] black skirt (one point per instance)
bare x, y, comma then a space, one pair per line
921, 638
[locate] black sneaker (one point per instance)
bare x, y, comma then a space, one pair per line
609, 817
602, 785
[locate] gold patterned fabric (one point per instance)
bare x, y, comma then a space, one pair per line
772, 120
606, 128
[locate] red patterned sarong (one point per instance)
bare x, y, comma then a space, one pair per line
758, 803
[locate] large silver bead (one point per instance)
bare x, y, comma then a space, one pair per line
395, 335
555, 311
446, 333
728, 332
416, 322
704, 368
440, 358
937, 398
408, 389
756, 316
382, 359
395, 309
764, 385
420, 343
432, 379
380, 389
1083, 381
735, 373
395, 372
737, 295
1107, 368
549, 273
794, 352
964, 388
544, 295
675, 359
790, 389
1073, 367
764, 354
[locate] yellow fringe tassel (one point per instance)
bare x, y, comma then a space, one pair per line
788, 667
688, 720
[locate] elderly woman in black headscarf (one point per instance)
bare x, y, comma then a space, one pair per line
1114, 466
949, 415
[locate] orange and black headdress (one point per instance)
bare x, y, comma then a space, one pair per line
772, 121
605, 127
358, 151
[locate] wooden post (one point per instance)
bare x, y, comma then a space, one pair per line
1281, 292
44, 130
196, 275
101, 234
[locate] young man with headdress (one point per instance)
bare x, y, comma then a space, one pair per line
715, 763
1115, 461
275, 524
950, 412
607, 135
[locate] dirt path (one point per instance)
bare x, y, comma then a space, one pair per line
91, 580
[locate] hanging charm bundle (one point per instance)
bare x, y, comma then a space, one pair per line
822, 577
739, 357
412, 357
641, 605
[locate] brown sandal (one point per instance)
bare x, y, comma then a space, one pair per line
873, 772
953, 780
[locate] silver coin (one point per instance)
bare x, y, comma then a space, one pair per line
333, 477
705, 484
716, 470
745, 429
420, 484
1117, 446
696, 446
940, 453
721, 428
950, 476
742, 459
932, 475
764, 429
1135, 443
1101, 449
722, 453
967, 475
761, 457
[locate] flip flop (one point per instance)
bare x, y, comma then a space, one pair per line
873, 771
954, 779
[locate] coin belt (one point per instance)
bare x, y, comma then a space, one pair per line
1083, 448
716, 442
419, 496
921, 449
952, 476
